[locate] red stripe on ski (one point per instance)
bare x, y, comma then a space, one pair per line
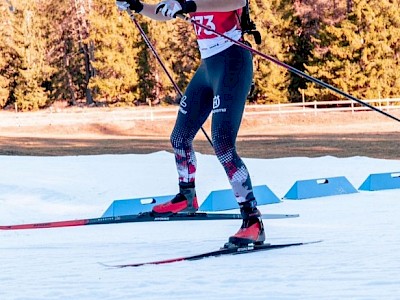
160, 262
46, 225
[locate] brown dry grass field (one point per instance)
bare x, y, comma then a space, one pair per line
91, 131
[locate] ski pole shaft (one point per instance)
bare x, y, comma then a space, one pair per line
153, 50
289, 68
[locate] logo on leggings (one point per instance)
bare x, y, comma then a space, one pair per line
216, 104
183, 104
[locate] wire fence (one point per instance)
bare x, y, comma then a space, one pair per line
316, 107
101, 115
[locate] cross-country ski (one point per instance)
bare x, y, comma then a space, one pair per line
144, 217
223, 251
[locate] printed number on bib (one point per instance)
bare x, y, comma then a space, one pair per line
207, 21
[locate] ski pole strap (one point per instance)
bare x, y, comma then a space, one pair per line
248, 26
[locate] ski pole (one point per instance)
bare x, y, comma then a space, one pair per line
148, 43
290, 68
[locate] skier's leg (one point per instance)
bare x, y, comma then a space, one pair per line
231, 90
195, 106
232, 81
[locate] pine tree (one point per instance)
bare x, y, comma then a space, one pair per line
176, 46
359, 55
28, 45
6, 71
271, 80
150, 82
116, 55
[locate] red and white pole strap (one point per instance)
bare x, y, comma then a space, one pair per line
290, 68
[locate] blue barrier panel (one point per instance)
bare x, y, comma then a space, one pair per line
381, 181
225, 199
134, 206
304, 189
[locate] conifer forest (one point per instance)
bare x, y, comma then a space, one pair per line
87, 52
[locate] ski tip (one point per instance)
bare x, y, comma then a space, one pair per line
105, 265
112, 266
312, 242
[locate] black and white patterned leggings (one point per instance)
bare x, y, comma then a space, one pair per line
220, 86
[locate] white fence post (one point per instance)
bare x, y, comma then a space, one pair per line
315, 107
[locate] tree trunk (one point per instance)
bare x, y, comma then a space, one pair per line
81, 13
70, 81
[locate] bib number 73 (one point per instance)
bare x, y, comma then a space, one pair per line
204, 20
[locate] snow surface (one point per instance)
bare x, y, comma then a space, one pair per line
358, 258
